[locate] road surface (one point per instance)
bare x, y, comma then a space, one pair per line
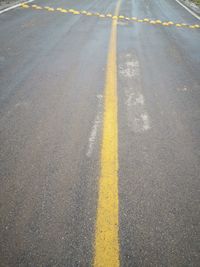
99, 134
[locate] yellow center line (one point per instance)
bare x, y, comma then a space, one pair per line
107, 226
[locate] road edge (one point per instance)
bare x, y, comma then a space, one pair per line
16, 4
189, 8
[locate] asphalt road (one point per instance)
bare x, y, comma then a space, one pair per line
53, 106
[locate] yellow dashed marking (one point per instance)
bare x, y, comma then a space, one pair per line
25, 6
64, 11
158, 21
165, 24
36, 7
114, 17
134, 18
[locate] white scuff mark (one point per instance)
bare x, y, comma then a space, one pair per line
146, 124
139, 100
93, 135
129, 69
99, 97
95, 127
134, 99
183, 89
129, 100
137, 116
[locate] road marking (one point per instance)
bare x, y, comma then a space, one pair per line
15, 6
189, 10
114, 17
107, 226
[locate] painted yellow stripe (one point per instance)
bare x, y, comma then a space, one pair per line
107, 225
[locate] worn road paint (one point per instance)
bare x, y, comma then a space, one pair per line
137, 117
130, 69
107, 225
95, 127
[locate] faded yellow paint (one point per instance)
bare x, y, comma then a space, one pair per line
64, 11
24, 5
114, 17
106, 248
